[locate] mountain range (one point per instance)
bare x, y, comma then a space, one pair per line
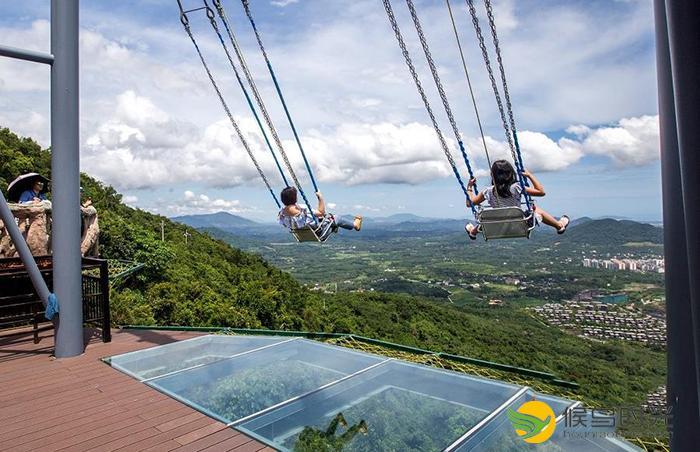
581, 230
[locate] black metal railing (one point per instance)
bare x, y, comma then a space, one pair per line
20, 306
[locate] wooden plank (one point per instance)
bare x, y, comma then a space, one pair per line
128, 435
82, 403
235, 443
200, 433
208, 441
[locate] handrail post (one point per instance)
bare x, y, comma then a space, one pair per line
104, 299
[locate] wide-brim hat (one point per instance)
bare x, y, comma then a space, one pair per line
23, 183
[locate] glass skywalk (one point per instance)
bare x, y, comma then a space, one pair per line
298, 394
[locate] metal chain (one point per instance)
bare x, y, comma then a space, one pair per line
494, 85
215, 26
433, 68
506, 94
508, 132
256, 94
414, 74
440, 88
261, 104
246, 7
185, 23
469, 83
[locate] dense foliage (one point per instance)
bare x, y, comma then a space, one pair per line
20, 155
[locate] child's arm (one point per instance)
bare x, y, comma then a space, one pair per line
321, 205
473, 200
537, 189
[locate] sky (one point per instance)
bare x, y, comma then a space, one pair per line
581, 76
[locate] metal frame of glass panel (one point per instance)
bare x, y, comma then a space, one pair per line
136, 363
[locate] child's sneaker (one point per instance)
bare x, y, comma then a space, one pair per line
471, 230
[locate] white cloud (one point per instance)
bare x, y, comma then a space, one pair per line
141, 146
130, 200
540, 153
283, 3
363, 208
357, 153
632, 141
191, 203
150, 118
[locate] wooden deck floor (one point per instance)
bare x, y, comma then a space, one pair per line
81, 404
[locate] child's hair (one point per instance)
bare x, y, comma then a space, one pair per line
503, 175
289, 196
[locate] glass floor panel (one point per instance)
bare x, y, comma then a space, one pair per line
234, 388
157, 361
302, 395
394, 406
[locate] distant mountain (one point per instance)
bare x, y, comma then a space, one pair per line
580, 221
220, 220
612, 232
402, 218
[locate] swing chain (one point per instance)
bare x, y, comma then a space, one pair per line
241, 137
249, 14
256, 94
517, 156
433, 68
414, 74
506, 93
492, 78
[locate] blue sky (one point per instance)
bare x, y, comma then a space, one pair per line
581, 75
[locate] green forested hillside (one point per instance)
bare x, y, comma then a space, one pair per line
20, 155
209, 283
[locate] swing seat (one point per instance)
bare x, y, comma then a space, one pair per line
307, 234
318, 234
505, 223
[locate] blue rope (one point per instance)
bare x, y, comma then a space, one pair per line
471, 176
250, 104
279, 94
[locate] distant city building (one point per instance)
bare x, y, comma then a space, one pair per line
635, 265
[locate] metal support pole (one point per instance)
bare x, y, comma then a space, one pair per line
683, 20
24, 252
683, 399
65, 173
26, 55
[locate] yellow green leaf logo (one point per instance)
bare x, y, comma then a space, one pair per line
534, 421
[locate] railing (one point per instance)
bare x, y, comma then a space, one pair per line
96, 296
544, 376
20, 306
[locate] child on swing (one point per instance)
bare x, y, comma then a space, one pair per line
506, 192
294, 216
